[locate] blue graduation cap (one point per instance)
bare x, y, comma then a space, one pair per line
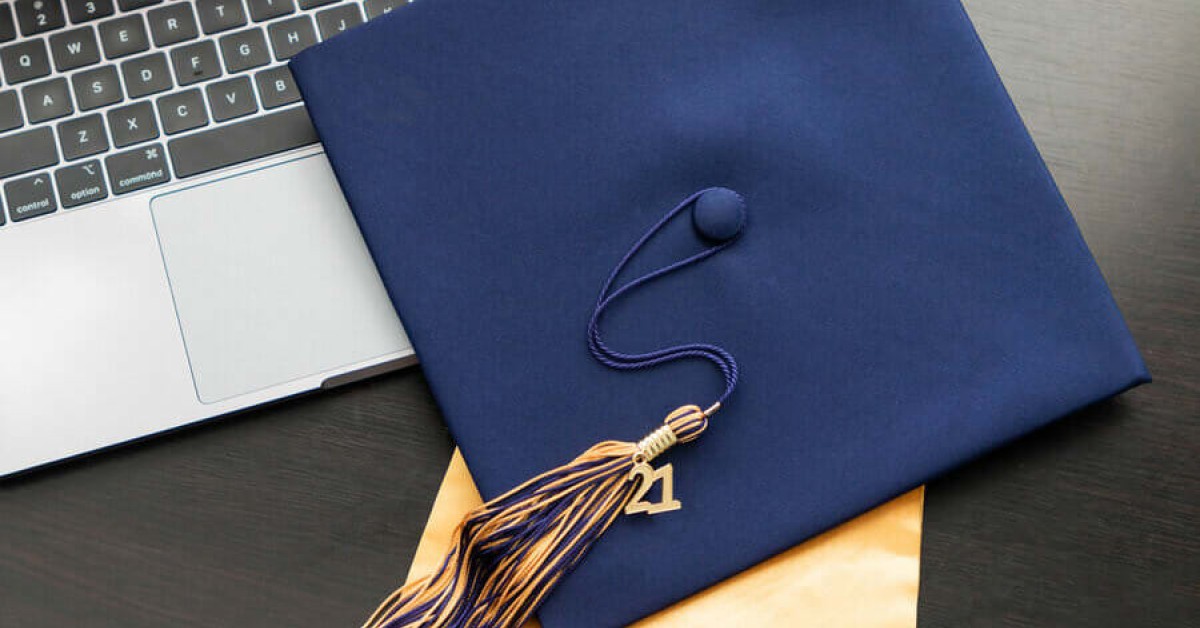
906, 289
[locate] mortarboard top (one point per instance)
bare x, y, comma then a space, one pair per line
909, 290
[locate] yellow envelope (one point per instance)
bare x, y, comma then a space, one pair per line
864, 573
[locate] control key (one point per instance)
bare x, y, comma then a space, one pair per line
30, 197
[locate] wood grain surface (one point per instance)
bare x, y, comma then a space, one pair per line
301, 514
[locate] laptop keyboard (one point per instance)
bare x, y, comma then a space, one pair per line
100, 98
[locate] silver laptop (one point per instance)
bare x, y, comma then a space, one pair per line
173, 243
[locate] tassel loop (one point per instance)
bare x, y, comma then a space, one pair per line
684, 425
688, 423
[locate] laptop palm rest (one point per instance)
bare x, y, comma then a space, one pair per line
271, 279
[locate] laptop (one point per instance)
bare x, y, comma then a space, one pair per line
173, 243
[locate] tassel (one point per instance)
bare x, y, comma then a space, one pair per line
510, 552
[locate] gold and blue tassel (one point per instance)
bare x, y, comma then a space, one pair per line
510, 553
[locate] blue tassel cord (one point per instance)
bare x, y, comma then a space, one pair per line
510, 553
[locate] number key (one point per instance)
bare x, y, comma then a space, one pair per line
130, 5
261, 10
39, 16
87, 10
8, 32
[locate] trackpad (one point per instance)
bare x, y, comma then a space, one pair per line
271, 279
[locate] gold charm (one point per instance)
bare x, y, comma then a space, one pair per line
648, 476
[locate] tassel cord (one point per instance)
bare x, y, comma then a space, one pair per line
511, 552
721, 358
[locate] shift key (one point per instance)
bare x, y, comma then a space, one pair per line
27, 151
137, 169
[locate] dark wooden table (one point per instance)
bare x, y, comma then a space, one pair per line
301, 514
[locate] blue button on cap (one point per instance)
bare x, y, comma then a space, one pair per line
719, 214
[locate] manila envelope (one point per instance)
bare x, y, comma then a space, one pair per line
862, 574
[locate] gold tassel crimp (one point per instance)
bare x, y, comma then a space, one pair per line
654, 444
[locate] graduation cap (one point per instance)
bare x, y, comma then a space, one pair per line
880, 261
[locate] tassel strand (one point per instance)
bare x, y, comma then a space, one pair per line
511, 552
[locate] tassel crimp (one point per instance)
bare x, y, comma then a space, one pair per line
682, 425
654, 444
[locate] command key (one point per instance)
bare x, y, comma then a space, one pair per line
137, 169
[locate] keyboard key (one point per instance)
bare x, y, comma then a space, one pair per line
376, 8
129, 5
146, 75
172, 24
137, 169
81, 183
8, 32
27, 151
339, 19
82, 137
220, 15
30, 197
24, 61
261, 10
47, 100
231, 99
196, 62
235, 143
244, 50
96, 88
39, 16
132, 124
289, 37
276, 87
124, 36
182, 111
74, 49
87, 10
10, 111
312, 4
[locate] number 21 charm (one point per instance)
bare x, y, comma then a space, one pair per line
647, 476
